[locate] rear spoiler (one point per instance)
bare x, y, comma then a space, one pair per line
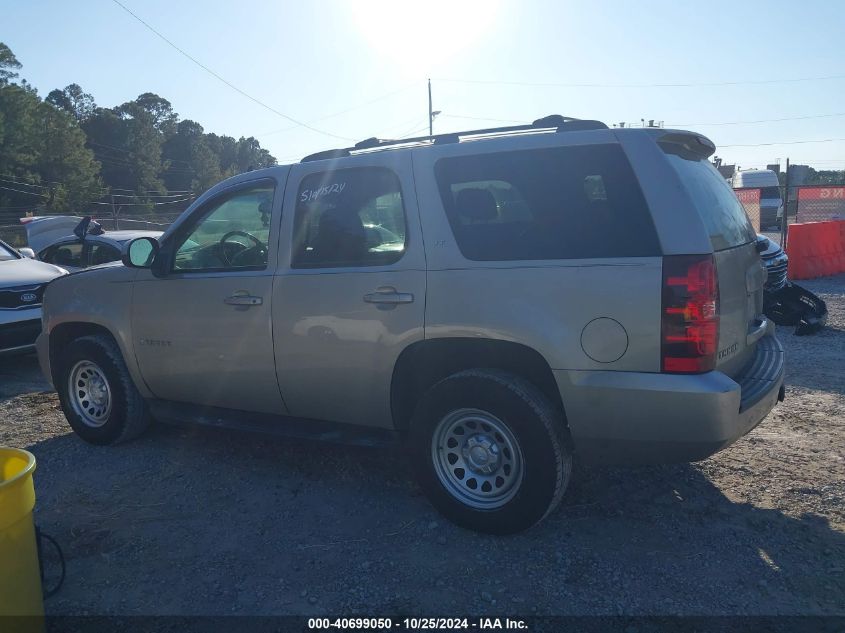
687, 144
41, 231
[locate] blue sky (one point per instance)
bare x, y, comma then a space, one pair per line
357, 69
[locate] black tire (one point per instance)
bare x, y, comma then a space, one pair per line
128, 415
536, 425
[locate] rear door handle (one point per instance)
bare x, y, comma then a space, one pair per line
388, 294
243, 300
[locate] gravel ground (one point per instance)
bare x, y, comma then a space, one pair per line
215, 522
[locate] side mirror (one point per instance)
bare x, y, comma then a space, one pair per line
27, 252
140, 252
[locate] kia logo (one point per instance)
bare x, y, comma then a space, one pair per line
29, 297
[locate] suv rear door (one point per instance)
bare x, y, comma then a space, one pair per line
349, 295
738, 266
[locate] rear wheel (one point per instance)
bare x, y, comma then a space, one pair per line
490, 451
99, 399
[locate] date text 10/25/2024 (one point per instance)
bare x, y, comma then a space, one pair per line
418, 624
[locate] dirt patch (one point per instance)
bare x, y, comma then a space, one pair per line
216, 522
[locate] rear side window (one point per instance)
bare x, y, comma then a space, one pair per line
103, 254
557, 203
716, 203
349, 217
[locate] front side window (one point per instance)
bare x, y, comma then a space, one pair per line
558, 203
349, 217
232, 234
67, 254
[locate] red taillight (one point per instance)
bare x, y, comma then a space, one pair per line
690, 319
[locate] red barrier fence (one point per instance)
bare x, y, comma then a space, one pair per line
750, 200
820, 203
816, 249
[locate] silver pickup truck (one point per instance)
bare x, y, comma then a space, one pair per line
500, 299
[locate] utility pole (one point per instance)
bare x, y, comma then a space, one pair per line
430, 111
113, 213
784, 220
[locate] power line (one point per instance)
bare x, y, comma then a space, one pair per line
823, 140
391, 129
412, 133
141, 204
413, 129
32, 193
651, 85
23, 184
228, 83
9, 178
796, 118
173, 191
350, 109
129, 151
148, 195
481, 118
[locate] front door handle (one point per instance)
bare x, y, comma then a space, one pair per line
243, 300
388, 294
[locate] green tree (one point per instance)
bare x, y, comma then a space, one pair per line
252, 156
18, 147
8, 64
143, 142
63, 152
159, 109
194, 164
73, 101
107, 136
45, 148
64, 163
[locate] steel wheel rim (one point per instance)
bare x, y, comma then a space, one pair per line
89, 393
477, 458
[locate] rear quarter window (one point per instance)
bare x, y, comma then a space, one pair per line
724, 217
557, 203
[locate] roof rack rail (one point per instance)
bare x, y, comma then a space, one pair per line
554, 121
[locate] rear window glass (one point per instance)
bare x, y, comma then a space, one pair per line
557, 203
770, 192
716, 203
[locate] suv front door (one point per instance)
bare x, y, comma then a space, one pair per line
350, 295
202, 330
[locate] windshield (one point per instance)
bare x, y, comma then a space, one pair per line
769, 193
6, 253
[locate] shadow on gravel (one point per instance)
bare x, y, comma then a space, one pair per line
20, 374
201, 521
811, 359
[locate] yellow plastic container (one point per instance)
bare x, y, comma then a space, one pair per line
20, 577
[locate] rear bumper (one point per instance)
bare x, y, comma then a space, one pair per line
646, 418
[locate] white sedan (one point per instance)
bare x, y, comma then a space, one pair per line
22, 282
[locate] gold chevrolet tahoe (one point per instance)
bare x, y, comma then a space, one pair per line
501, 300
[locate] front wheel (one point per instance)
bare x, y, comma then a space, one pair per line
99, 399
490, 451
